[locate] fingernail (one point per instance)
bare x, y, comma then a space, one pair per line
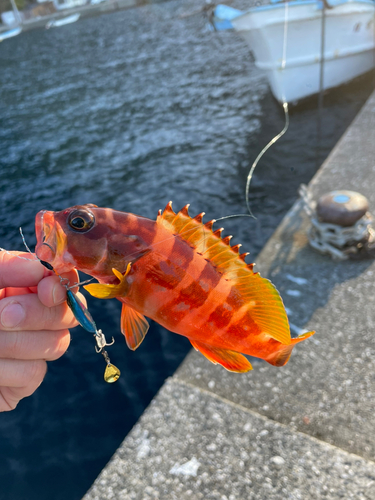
12, 315
58, 294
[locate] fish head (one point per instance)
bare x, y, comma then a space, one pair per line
63, 238
89, 238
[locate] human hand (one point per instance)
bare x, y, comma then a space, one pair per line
34, 322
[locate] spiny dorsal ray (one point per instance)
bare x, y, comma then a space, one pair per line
207, 242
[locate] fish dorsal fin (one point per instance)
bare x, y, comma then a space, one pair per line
207, 242
265, 304
134, 326
230, 360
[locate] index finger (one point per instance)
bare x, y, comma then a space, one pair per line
16, 272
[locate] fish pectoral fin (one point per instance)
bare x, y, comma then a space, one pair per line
231, 360
134, 326
103, 291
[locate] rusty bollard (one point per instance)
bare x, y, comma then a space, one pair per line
341, 224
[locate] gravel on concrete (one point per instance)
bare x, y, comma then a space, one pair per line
193, 445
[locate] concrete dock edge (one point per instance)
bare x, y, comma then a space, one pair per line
302, 431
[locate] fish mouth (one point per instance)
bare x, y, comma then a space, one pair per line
51, 241
43, 253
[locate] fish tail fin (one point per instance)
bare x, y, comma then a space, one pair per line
281, 357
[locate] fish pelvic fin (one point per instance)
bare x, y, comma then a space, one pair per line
281, 357
231, 360
134, 326
103, 291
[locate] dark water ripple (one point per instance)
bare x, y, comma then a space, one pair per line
131, 110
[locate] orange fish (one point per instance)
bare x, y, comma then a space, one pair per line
177, 271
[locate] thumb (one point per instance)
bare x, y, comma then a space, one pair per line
20, 272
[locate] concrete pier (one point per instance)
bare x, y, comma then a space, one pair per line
302, 431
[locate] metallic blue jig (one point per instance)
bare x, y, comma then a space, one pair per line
84, 318
80, 312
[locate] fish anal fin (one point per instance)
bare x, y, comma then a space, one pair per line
134, 326
104, 291
281, 357
230, 360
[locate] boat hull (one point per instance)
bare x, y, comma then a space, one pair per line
286, 42
10, 33
55, 23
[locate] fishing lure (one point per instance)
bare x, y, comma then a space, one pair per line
84, 318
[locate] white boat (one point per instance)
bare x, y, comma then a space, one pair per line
286, 40
16, 18
55, 23
10, 33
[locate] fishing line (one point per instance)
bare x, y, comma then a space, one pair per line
28, 249
272, 141
257, 159
286, 113
18, 256
277, 137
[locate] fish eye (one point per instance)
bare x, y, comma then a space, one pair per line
81, 220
